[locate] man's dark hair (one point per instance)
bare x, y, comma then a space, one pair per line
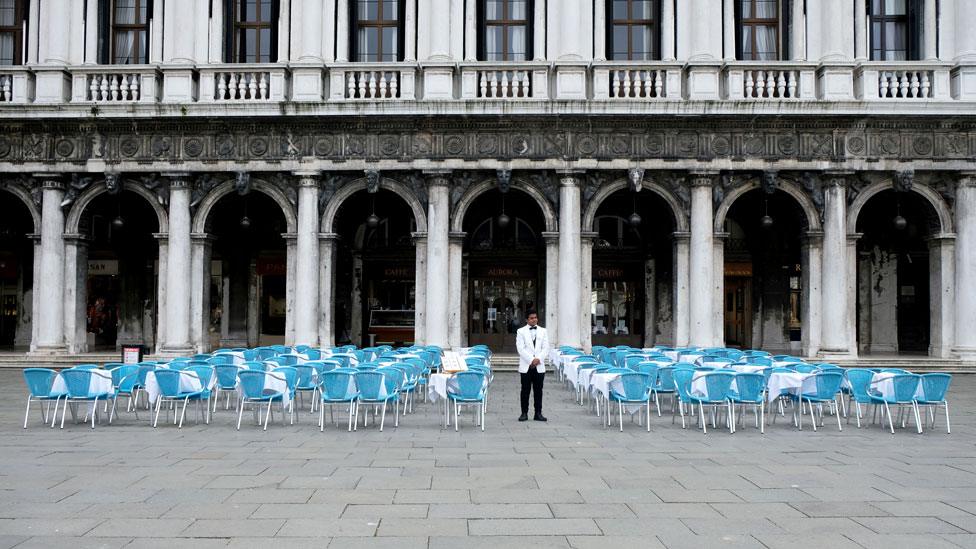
531, 312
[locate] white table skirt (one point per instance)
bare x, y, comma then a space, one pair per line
792, 382
699, 385
600, 384
746, 368
882, 383
189, 383
100, 383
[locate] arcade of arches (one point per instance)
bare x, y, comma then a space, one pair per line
818, 264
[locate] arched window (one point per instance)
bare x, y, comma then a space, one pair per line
633, 30
506, 30
377, 31
761, 29
13, 15
894, 29
252, 31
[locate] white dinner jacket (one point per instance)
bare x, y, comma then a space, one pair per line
527, 351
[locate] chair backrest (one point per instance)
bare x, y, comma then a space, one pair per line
860, 380
474, 361
219, 359
204, 373
682, 382
39, 381
803, 368
121, 371
370, 384
313, 354
828, 384
289, 373
758, 360
226, 376
252, 383
306, 376
895, 371
619, 371
168, 382
393, 377
651, 369
338, 385
665, 378
470, 385
86, 367
634, 385
718, 384
252, 354
256, 365
684, 366
144, 369
755, 353
750, 386
905, 386
935, 386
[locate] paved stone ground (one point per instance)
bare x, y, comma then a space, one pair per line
567, 483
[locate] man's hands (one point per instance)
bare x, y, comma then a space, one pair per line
535, 362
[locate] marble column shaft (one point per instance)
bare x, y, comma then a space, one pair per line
965, 298
835, 290
178, 266
50, 286
438, 260
307, 261
701, 261
570, 262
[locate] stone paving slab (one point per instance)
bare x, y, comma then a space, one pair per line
570, 483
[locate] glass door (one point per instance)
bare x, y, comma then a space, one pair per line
498, 309
738, 317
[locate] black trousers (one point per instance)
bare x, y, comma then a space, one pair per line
532, 381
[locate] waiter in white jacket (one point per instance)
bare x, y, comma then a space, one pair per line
532, 344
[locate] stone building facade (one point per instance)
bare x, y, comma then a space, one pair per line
774, 174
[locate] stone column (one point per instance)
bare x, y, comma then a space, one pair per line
835, 307
420, 292
308, 25
667, 30
342, 32
718, 288
456, 290
600, 30
436, 29
861, 48
163, 241
941, 295
178, 267
837, 40
438, 242
552, 285
307, 261
812, 298
35, 308
50, 280
798, 40
728, 30
930, 35
539, 32
200, 257
586, 288
851, 296
327, 277
470, 30
681, 291
570, 262
965, 298
410, 31
701, 261
55, 46
650, 302
965, 19
75, 293
291, 294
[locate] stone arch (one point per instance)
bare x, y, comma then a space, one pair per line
457, 221
73, 220
589, 216
227, 187
25, 197
934, 199
785, 185
392, 185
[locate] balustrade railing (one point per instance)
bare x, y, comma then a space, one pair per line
878, 81
116, 84
616, 81
528, 80
246, 83
766, 81
372, 82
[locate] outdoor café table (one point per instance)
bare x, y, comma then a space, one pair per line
600, 385
99, 383
710, 364
793, 383
882, 383
782, 363
690, 357
571, 371
673, 355
189, 383
699, 386
437, 389
746, 368
238, 356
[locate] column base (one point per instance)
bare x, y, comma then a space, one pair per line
835, 354
173, 352
52, 350
966, 354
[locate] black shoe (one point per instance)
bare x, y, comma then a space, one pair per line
524, 417
540, 417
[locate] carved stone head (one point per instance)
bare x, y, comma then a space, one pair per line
242, 184
903, 181
635, 179
770, 181
372, 181
504, 180
112, 183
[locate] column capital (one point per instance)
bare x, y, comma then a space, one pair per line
77, 239
51, 181
837, 178
177, 180
967, 179
289, 238
418, 236
681, 235
940, 239
551, 237
162, 237
307, 178
457, 235
206, 238
329, 237
852, 238
437, 177
812, 238
703, 178
588, 235
570, 178
720, 235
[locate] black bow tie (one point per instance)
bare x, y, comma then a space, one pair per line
533, 327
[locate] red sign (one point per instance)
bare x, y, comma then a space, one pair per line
271, 266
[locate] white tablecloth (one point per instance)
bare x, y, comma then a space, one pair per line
438, 385
100, 383
792, 382
237, 355
699, 385
189, 383
882, 383
690, 357
746, 368
600, 384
